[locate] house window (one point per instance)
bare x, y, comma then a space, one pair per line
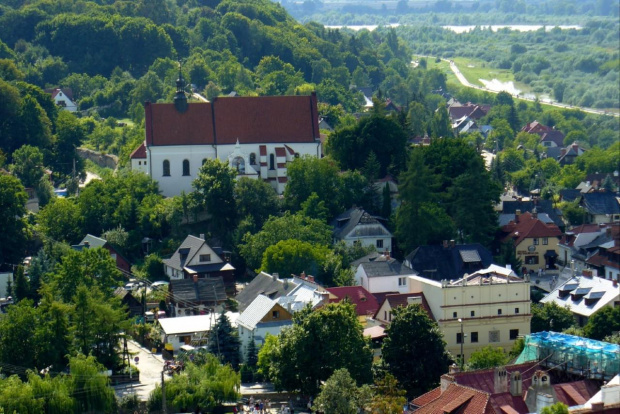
166, 168
499, 311
516, 310
139, 162
402, 281
205, 257
459, 338
272, 162
185, 167
379, 244
253, 158
531, 260
385, 315
472, 313
474, 337
238, 165
536, 242
144, 162
275, 314
545, 241
493, 336
454, 314
514, 333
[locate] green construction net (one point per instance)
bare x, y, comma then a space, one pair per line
593, 359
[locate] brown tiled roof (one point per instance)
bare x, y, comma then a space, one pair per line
575, 393
457, 399
139, 152
276, 119
364, 301
528, 227
400, 299
428, 397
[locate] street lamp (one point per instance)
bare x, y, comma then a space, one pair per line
462, 340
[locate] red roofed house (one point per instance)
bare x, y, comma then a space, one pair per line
393, 301
257, 136
365, 303
514, 389
535, 242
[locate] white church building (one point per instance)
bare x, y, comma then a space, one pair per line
257, 136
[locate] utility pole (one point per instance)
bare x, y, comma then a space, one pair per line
163, 393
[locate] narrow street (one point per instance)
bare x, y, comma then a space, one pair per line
150, 366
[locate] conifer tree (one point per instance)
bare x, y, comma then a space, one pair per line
224, 342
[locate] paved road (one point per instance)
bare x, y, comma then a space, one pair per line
465, 82
150, 366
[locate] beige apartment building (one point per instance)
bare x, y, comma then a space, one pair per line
488, 307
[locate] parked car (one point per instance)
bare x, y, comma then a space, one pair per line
160, 284
130, 287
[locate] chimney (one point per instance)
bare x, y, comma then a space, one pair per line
587, 273
87, 244
302, 276
202, 236
615, 283
517, 214
275, 276
448, 379
516, 384
500, 380
311, 279
386, 254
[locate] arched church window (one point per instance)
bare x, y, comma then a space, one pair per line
166, 168
272, 162
253, 158
238, 164
185, 167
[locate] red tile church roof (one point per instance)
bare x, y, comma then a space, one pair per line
267, 119
139, 152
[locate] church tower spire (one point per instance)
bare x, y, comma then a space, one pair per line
180, 100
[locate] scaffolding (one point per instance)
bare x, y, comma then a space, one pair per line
574, 354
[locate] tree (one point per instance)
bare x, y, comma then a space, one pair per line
256, 199
60, 220
378, 134
551, 317
28, 165
604, 322
334, 330
557, 408
199, 386
69, 136
339, 394
21, 288
224, 342
414, 350
388, 398
292, 256
16, 333
308, 175
251, 355
289, 226
214, 185
487, 357
314, 208
440, 123
14, 235
88, 374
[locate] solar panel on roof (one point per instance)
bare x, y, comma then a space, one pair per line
582, 291
596, 295
470, 256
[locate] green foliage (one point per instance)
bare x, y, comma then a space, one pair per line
224, 342
14, 235
289, 226
294, 257
293, 362
377, 134
517, 348
21, 287
60, 220
87, 374
414, 350
487, 357
573, 212
203, 386
604, 322
214, 189
339, 394
28, 165
388, 398
255, 199
550, 317
557, 408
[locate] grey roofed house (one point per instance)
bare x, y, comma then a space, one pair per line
357, 226
385, 266
570, 194
448, 261
264, 284
601, 202
195, 295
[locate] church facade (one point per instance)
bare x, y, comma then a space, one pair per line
256, 136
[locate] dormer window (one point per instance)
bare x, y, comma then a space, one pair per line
205, 257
